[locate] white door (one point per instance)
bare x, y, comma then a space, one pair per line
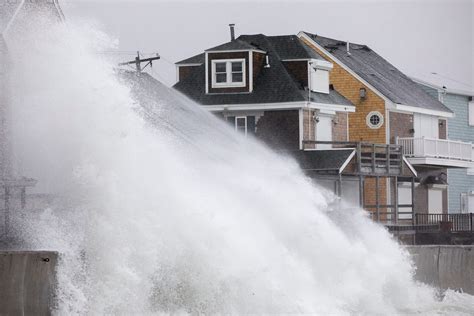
324, 131
435, 201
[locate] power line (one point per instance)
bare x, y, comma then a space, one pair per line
446, 77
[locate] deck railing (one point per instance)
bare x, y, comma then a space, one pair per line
450, 222
436, 148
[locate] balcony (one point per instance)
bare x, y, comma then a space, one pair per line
438, 152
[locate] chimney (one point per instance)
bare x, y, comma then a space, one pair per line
348, 48
232, 31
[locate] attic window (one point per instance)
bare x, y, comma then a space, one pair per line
374, 120
228, 73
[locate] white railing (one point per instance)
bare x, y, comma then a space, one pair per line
436, 148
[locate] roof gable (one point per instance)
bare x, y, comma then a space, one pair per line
380, 74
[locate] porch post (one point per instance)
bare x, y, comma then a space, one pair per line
395, 180
377, 202
361, 191
413, 213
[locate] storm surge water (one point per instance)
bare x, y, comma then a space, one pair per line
157, 206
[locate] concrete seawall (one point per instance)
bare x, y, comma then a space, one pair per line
446, 267
27, 281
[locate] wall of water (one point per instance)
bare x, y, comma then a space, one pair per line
160, 207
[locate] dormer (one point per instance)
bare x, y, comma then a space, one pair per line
232, 67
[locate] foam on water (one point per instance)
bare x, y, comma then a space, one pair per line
167, 209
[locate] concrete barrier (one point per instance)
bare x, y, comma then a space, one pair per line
446, 267
27, 282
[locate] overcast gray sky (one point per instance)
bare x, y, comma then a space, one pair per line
419, 36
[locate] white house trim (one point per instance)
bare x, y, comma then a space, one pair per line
321, 64
415, 109
441, 162
441, 89
280, 106
344, 165
409, 165
207, 72
229, 83
250, 72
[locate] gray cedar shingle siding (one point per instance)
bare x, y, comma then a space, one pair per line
382, 75
272, 85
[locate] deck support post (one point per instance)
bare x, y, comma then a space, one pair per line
377, 200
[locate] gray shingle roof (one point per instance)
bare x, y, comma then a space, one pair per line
291, 47
333, 97
197, 59
382, 75
322, 160
272, 85
233, 45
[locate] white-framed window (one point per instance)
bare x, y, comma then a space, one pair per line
471, 113
374, 119
228, 73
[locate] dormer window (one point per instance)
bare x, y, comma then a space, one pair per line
228, 73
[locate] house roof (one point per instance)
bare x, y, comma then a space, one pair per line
236, 44
197, 59
272, 85
324, 160
291, 47
378, 72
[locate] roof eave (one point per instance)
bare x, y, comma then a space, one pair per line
416, 109
441, 89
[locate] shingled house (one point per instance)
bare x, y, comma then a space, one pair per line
14, 19
392, 109
278, 89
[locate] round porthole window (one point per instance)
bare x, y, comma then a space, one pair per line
374, 120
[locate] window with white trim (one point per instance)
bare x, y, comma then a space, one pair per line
241, 124
228, 73
374, 119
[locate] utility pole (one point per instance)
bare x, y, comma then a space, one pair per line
138, 62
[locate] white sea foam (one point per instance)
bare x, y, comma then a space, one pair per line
169, 210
